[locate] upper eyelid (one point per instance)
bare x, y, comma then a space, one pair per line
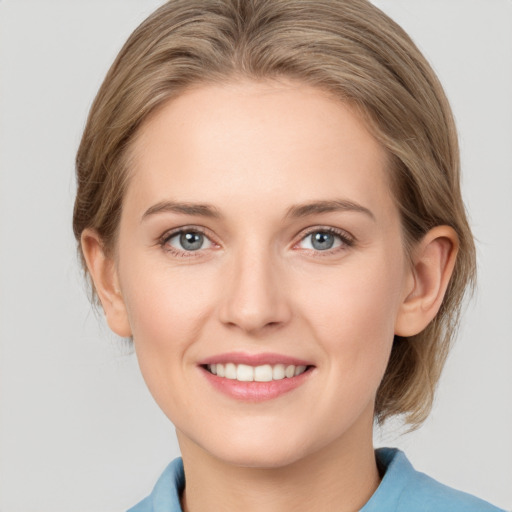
164, 244
329, 229
185, 229
342, 233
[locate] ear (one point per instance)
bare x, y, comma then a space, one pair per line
433, 261
104, 276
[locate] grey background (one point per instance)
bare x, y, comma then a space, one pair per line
78, 429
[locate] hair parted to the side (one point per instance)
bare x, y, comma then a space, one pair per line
347, 47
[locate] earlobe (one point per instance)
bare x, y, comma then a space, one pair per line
106, 283
433, 261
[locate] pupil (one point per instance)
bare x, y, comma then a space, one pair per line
191, 241
322, 241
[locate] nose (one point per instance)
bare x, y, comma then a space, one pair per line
255, 298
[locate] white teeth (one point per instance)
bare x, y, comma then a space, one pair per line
299, 370
245, 373
263, 373
278, 372
231, 371
290, 371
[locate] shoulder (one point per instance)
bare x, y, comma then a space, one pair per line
165, 496
403, 489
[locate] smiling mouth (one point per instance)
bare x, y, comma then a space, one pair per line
261, 373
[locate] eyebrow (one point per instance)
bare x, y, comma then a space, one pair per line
315, 207
295, 211
202, 210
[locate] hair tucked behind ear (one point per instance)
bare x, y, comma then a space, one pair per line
347, 47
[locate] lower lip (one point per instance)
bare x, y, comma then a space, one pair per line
255, 391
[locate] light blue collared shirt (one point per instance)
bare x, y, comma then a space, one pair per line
403, 489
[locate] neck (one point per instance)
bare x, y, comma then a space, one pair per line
341, 476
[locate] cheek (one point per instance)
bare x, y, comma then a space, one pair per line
168, 311
167, 307
353, 310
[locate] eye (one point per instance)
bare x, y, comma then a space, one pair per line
188, 241
325, 240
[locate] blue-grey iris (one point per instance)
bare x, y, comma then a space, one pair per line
322, 241
191, 241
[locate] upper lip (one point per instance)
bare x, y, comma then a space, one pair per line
254, 359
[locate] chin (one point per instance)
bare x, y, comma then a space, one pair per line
257, 450
269, 459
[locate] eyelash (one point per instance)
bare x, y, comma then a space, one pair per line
166, 237
347, 241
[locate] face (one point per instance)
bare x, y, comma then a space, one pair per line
261, 265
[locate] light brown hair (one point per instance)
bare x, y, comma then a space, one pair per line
347, 47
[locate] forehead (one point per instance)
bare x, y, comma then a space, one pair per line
274, 142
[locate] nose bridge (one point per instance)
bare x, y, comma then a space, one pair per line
254, 297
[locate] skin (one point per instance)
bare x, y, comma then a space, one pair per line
253, 151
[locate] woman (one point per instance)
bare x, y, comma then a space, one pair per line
269, 205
